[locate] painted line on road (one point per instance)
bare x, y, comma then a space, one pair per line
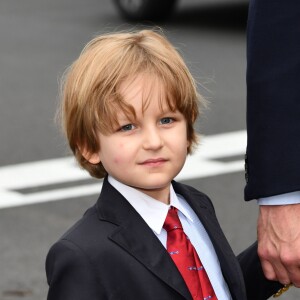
206, 161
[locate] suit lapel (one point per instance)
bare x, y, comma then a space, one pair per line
134, 236
205, 212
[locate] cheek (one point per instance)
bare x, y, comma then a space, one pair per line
119, 154
117, 160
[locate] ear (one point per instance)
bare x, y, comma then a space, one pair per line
93, 158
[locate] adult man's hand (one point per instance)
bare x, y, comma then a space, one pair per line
278, 232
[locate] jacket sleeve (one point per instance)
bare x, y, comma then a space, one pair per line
257, 286
273, 101
70, 275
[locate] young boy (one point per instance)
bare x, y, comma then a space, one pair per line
129, 108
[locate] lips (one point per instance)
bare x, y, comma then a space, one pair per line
153, 162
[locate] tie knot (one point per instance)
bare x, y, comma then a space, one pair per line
172, 221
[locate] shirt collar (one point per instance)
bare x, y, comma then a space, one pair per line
151, 210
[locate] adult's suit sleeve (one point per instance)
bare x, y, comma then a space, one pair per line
273, 98
257, 286
70, 275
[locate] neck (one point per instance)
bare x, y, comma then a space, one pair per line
159, 194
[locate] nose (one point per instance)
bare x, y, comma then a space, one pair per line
152, 139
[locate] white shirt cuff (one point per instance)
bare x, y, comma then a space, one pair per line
283, 199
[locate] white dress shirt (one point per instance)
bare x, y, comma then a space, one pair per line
154, 214
282, 199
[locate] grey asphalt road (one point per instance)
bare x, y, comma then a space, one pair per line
38, 40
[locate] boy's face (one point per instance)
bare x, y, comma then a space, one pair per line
150, 151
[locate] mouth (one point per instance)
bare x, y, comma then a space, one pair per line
154, 162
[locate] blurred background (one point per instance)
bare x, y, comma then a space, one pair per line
42, 192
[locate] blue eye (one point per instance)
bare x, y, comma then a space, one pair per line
166, 121
127, 127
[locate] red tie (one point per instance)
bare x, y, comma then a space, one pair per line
186, 259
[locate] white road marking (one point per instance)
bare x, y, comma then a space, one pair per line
201, 164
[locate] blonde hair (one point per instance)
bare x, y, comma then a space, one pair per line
90, 87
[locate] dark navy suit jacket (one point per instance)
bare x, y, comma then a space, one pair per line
111, 253
273, 98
